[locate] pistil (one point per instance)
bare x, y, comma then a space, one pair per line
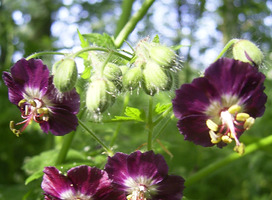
231, 121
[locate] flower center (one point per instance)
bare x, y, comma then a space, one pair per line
231, 122
140, 188
30, 110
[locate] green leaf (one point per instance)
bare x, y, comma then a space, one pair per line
100, 40
132, 114
37, 163
162, 108
156, 39
84, 44
86, 74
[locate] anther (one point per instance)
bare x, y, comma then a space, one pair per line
242, 116
13, 129
226, 139
248, 123
240, 148
234, 109
21, 103
212, 125
215, 138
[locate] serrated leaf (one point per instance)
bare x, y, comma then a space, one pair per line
156, 39
162, 108
132, 114
100, 40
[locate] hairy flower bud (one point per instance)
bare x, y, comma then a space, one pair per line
132, 78
65, 75
246, 51
113, 73
100, 95
163, 55
156, 78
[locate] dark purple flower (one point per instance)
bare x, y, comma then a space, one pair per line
219, 107
30, 87
80, 183
144, 176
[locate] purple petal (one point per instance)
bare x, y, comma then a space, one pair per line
171, 188
116, 168
31, 74
194, 129
194, 98
69, 100
234, 77
147, 165
14, 92
91, 181
55, 184
61, 121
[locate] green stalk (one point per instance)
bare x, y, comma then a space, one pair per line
126, 12
128, 28
228, 45
101, 49
44, 53
106, 148
150, 125
115, 134
225, 161
66, 143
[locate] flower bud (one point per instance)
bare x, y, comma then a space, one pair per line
162, 55
132, 78
113, 73
100, 95
156, 78
65, 75
246, 51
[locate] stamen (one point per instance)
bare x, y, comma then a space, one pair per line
234, 109
248, 123
215, 138
226, 139
21, 103
240, 148
13, 129
242, 116
212, 125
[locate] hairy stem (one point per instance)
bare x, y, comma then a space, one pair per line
106, 148
128, 28
228, 45
150, 124
126, 12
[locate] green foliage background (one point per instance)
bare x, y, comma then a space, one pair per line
248, 178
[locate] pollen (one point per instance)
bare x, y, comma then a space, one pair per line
231, 124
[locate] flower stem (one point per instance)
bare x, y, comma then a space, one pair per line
106, 148
231, 158
228, 45
44, 53
67, 140
150, 124
115, 134
101, 49
130, 25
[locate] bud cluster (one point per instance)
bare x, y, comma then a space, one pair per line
152, 68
